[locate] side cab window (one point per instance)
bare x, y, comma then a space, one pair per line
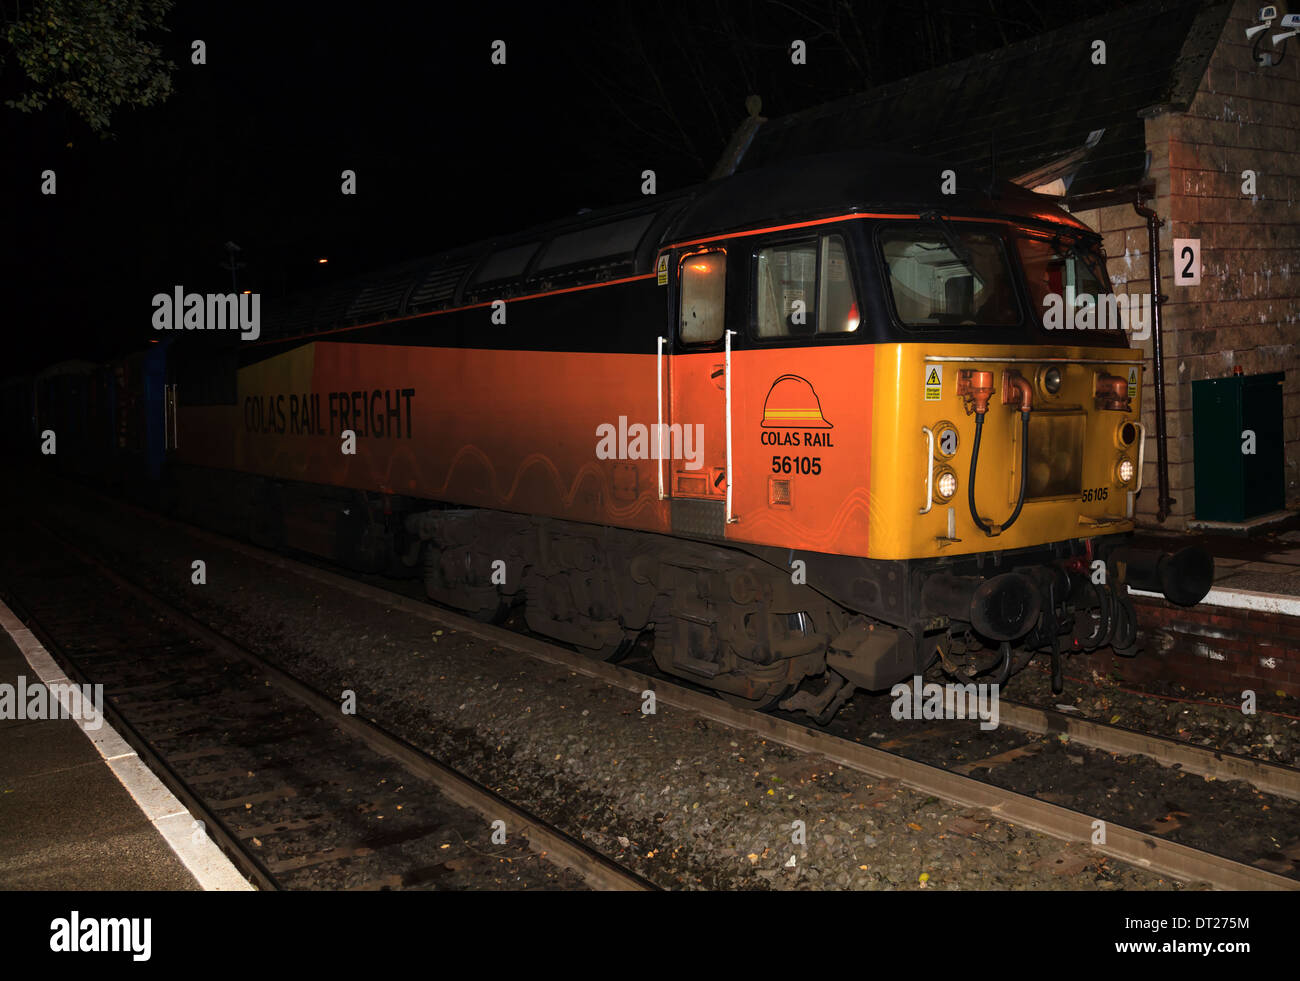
804, 287
703, 294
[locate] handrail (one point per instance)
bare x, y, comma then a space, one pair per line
731, 519
929, 473
659, 427
1142, 454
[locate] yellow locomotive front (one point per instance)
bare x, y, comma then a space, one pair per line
1006, 473
1056, 424
1006, 449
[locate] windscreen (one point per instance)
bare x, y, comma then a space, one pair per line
1068, 287
942, 276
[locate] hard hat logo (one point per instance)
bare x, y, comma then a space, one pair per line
792, 403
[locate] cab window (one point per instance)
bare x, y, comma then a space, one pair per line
703, 278
940, 276
804, 288
1063, 268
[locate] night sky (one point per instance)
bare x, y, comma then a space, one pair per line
447, 147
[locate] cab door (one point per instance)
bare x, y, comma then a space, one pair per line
695, 441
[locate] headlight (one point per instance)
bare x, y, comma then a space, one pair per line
945, 485
1125, 470
1052, 381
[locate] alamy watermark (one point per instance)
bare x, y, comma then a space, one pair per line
951, 701
657, 441
1103, 311
102, 934
39, 701
179, 310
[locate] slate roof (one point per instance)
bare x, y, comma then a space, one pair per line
1036, 102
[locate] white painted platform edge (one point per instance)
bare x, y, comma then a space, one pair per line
1242, 599
202, 858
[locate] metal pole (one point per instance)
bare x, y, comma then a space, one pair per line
659, 422
1163, 501
730, 476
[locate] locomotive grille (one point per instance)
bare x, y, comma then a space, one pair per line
1055, 454
438, 287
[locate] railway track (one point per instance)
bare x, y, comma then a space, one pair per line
1271, 778
296, 792
1133, 845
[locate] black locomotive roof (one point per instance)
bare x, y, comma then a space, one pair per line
623, 241
857, 181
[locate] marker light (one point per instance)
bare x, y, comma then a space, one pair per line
1124, 470
1052, 381
945, 439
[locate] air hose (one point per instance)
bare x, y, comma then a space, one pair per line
1024, 472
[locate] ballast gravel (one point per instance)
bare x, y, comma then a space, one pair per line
687, 803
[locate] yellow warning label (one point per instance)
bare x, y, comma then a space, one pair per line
1132, 383
933, 383
662, 277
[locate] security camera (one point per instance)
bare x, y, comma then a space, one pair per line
1291, 20
1267, 15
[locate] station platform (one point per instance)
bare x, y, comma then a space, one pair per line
78, 808
1267, 561
1244, 635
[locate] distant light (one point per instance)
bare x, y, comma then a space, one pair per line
247, 292
700, 266
322, 261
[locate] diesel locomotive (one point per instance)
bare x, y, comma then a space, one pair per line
807, 424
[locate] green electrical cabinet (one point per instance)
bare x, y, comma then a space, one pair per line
1232, 485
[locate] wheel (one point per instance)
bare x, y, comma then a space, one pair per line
615, 651
764, 703
495, 615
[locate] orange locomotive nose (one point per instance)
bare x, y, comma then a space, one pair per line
792, 403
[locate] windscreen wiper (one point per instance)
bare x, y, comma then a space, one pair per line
955, 244
1070, 248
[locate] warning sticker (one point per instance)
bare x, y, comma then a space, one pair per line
662, 277
1132, 383
933, 382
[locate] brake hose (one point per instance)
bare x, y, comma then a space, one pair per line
1024, 472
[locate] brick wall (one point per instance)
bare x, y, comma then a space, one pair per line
1246, 312
1214, 649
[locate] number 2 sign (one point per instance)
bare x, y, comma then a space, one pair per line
1187, 262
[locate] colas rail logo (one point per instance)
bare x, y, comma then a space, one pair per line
792, 413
